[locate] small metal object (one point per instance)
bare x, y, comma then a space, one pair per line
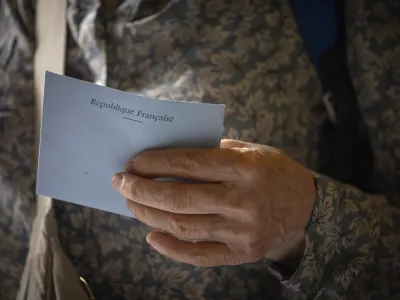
329, 107
87, 288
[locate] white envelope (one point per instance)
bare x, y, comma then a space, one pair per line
90, 132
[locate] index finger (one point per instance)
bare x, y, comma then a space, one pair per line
212, 165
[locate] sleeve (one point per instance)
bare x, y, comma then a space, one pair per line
352, 246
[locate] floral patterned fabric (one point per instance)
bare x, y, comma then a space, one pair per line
249, 56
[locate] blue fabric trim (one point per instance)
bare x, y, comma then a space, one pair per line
317, 22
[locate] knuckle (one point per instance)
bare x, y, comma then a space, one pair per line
250, 240
254, 213
178, 200
138, 211
134, 190
251, 167
191, 161
236, 200
187, 162
200, 260
178, 227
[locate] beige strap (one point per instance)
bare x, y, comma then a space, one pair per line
50, 56
48, 273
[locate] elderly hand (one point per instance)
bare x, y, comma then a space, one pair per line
252, 202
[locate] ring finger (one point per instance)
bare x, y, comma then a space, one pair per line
185, 227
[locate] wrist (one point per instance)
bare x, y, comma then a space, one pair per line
291, 247
286, 260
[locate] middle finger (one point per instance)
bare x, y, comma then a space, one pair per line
176, 197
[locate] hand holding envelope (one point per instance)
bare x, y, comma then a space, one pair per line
253, 202
239, 203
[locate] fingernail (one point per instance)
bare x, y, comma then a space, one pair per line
148, 238
117, 181
150, 241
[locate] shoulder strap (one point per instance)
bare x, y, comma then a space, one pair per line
48, 273
50, 56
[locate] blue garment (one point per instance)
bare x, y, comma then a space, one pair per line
317, 22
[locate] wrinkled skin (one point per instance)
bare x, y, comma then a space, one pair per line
253, 202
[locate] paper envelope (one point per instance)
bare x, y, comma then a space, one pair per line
90, 132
